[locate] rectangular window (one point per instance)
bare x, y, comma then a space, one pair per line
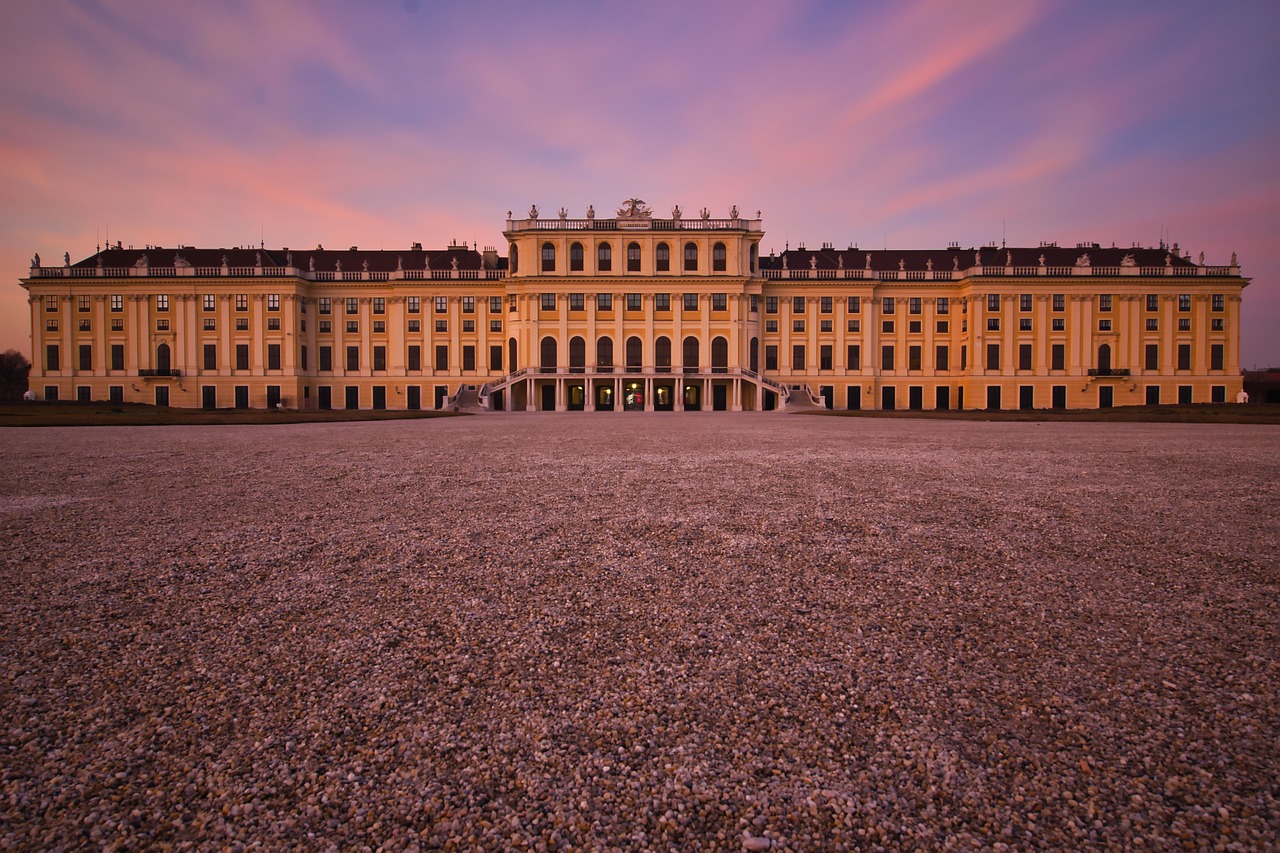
117, 357
1059, 302
993, 302
378, 325
84, 304
755, 304
634, 302
162, 325
469, 357
1184, 301
577, 302
943, 305
547, 301
416, 325
442, 358
379, 358
1104, 302
1104, 325
797, 305
1184, 324
442, 326
495, 304
1024, 356
771, 325
1058, 357
797, 357
442, 305
854, 326
1217, 324
943, 327
913, 357
826, 326
797, 325
51, 324
691, 302
273, 356
162, 302
242, 356
719, 302
886, 358
854, 357
771, 305
326, 326
825, 305
326, 306
415, 304
242, 302
415, 357
993, 356
1024, 324
1153, 324
379, 305
825, 357
353, 326
85, 326
1151, 357
51, 304
273, 302
468, 305
495, 325
353, 358
604, 301
964, 357
1217, 357
853, 304
209, 302
1059, 324
86, 356
1153, 302
117, 302
326, 358
942, 358
1024, 302
495, 357
210, 356
511, 303
662, 302
771, 357
468, 325
914, 305
273, 324
1219, 302
913, 327
887, 305
886, 327
993, 324
353, 305
1184, 356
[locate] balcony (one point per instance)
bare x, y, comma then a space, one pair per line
1108, 371
159, 371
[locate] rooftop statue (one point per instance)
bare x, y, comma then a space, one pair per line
563, 213
634, 208
533, 211
1083, 260
1128, 261
733, 212
675, 212
591, 211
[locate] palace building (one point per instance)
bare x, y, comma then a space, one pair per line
636, 312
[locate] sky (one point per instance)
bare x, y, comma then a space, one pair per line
894, 124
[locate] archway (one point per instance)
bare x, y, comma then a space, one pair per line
548, 360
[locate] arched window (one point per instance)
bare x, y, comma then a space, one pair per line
162, 359
512, 365
548, 354
577, 354
513, 259
633, 257
755, 258
575, 258
755, 355
691, 354
662, 259
719, 354
604, 257
718, 258
662, 354
548, 257
691, 257
1104, 359
604, 352
635, 353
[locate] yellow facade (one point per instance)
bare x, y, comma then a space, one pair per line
633, 311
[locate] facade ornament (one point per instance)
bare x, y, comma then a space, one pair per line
399, 263
66, 258
955, 263
426, 263
338, 265
312, 262
1168, 260
977, 258
704, 213
533, 211
35, 262
1234, 262
99, 261
634, 208
142, 263
180, 262
365, 266
675, 213
224, 262
840, 262
784, 262
733, 212
564, 214
1042, 259
1128, 261
591, 212
902, 265
1008, 259
288, 259
453, 262
929, 265
257, 259
868, 260
1202, 259
1083, 260
813, 262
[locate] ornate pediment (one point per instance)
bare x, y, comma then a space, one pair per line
634, 208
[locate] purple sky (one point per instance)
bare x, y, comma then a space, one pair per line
379, 124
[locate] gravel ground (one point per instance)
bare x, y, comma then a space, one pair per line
700, 631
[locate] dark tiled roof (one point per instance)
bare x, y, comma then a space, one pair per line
951, 258
326, 260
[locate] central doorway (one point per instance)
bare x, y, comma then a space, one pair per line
633, 397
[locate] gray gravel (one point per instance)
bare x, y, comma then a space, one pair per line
640, 631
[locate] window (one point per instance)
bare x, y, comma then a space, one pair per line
1059, 302
353, 326
1058, 357
86, 356
1217, 357
1104, 325
1219, 302
771, 325
633, 257
993, 302
993, 324
1024, 324
242, 302
1024, 302
495, 325
442, 325
52, 360
468, 305
1184, 301
1153, 325
854, 326
326, 358
378, 325
1153, 302
577, 302
209, 302
84, 304
302, 357
547, 301
495, 357
273, 356
415, 357
1184, 324
353, 358
662, 302
326, 326
1024, 356
604, 301
797, 357
242, 356
1217, 324
415, 325
691, 302
1104, 302
51, 304
913, 305
51, 324
1151, 357
117, 302
719, 301
854, 357
379, 305
467, 325
162, 325
117, 324
797, 305
273, 302
825, 326
575, 258
942, 358
210, 356
414, 305
913, 358
469, 357
993, 356
380, 358
886, 327
854, 304
913, 327
964, 357
604, 257
1184, 356
662, 257
353, 305
511, 303
690, 257
886, 358
162, 302
797, 325
771, 305
117, 357
770, 357
943, 305
85, 325
887, 305
442, 358
1059, 324
943, 327
824, 357
548, 257
442, 305
718, 258
326, 306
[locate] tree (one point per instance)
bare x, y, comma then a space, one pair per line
14, 369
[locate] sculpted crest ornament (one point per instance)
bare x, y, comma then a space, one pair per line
634, 208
